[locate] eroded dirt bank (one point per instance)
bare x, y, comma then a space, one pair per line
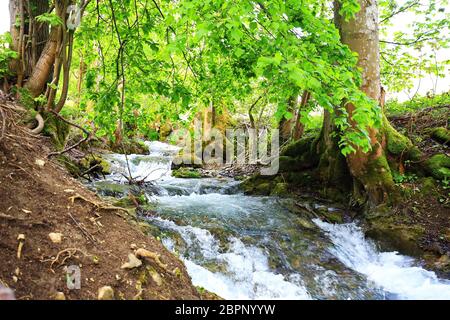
37, 198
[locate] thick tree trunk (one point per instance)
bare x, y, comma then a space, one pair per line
41, 72
371, 172
29, 36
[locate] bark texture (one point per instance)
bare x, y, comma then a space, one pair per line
371, 171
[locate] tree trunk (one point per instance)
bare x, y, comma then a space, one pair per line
29, 36
371, 172
41, 73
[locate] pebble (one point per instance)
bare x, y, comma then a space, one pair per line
106, 293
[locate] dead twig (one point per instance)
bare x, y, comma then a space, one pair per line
86, 233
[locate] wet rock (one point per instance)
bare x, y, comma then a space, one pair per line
111, 189
106, 293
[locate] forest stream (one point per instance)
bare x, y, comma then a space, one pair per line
254, 247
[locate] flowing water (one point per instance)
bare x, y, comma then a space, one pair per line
248, 247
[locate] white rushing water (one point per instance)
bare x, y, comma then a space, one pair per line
247, 273
393, 272
267, 254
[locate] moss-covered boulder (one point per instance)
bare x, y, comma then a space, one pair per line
394, 235
185, 172
111, 189
438, 166
259, 185
57, 129
441, 135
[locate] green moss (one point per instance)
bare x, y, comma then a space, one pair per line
396, 142
297, 148
263, 188
72, 167
185, 172
101, 165
428, 186
441, 135
57, 130
257, 184
280, 189
438, 166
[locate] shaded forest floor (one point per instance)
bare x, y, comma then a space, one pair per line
38, 197
422, 220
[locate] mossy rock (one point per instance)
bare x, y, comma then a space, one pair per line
428, 186
260, 185
71, 166
263, 188
101, 165
280, 189
438, 166
185, 172
441, 135
393, 235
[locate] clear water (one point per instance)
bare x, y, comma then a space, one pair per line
247, 247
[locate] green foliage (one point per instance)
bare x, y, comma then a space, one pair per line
180, 57
6, 54
50, 18
413, 52
394, 107
403, 178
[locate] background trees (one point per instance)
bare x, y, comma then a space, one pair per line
147, 67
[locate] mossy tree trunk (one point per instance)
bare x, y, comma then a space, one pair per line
367, 175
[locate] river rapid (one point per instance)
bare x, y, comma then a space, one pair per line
253, 247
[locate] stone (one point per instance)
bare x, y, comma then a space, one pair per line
59, 296
133, 262
55, 237
106, 293
40, 162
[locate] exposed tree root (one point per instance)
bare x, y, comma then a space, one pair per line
70, 253
99, 205
40, 126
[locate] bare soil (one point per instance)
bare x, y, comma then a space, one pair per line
38, 197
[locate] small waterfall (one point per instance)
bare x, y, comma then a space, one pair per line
395, 273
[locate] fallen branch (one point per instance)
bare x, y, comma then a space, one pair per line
87, 133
